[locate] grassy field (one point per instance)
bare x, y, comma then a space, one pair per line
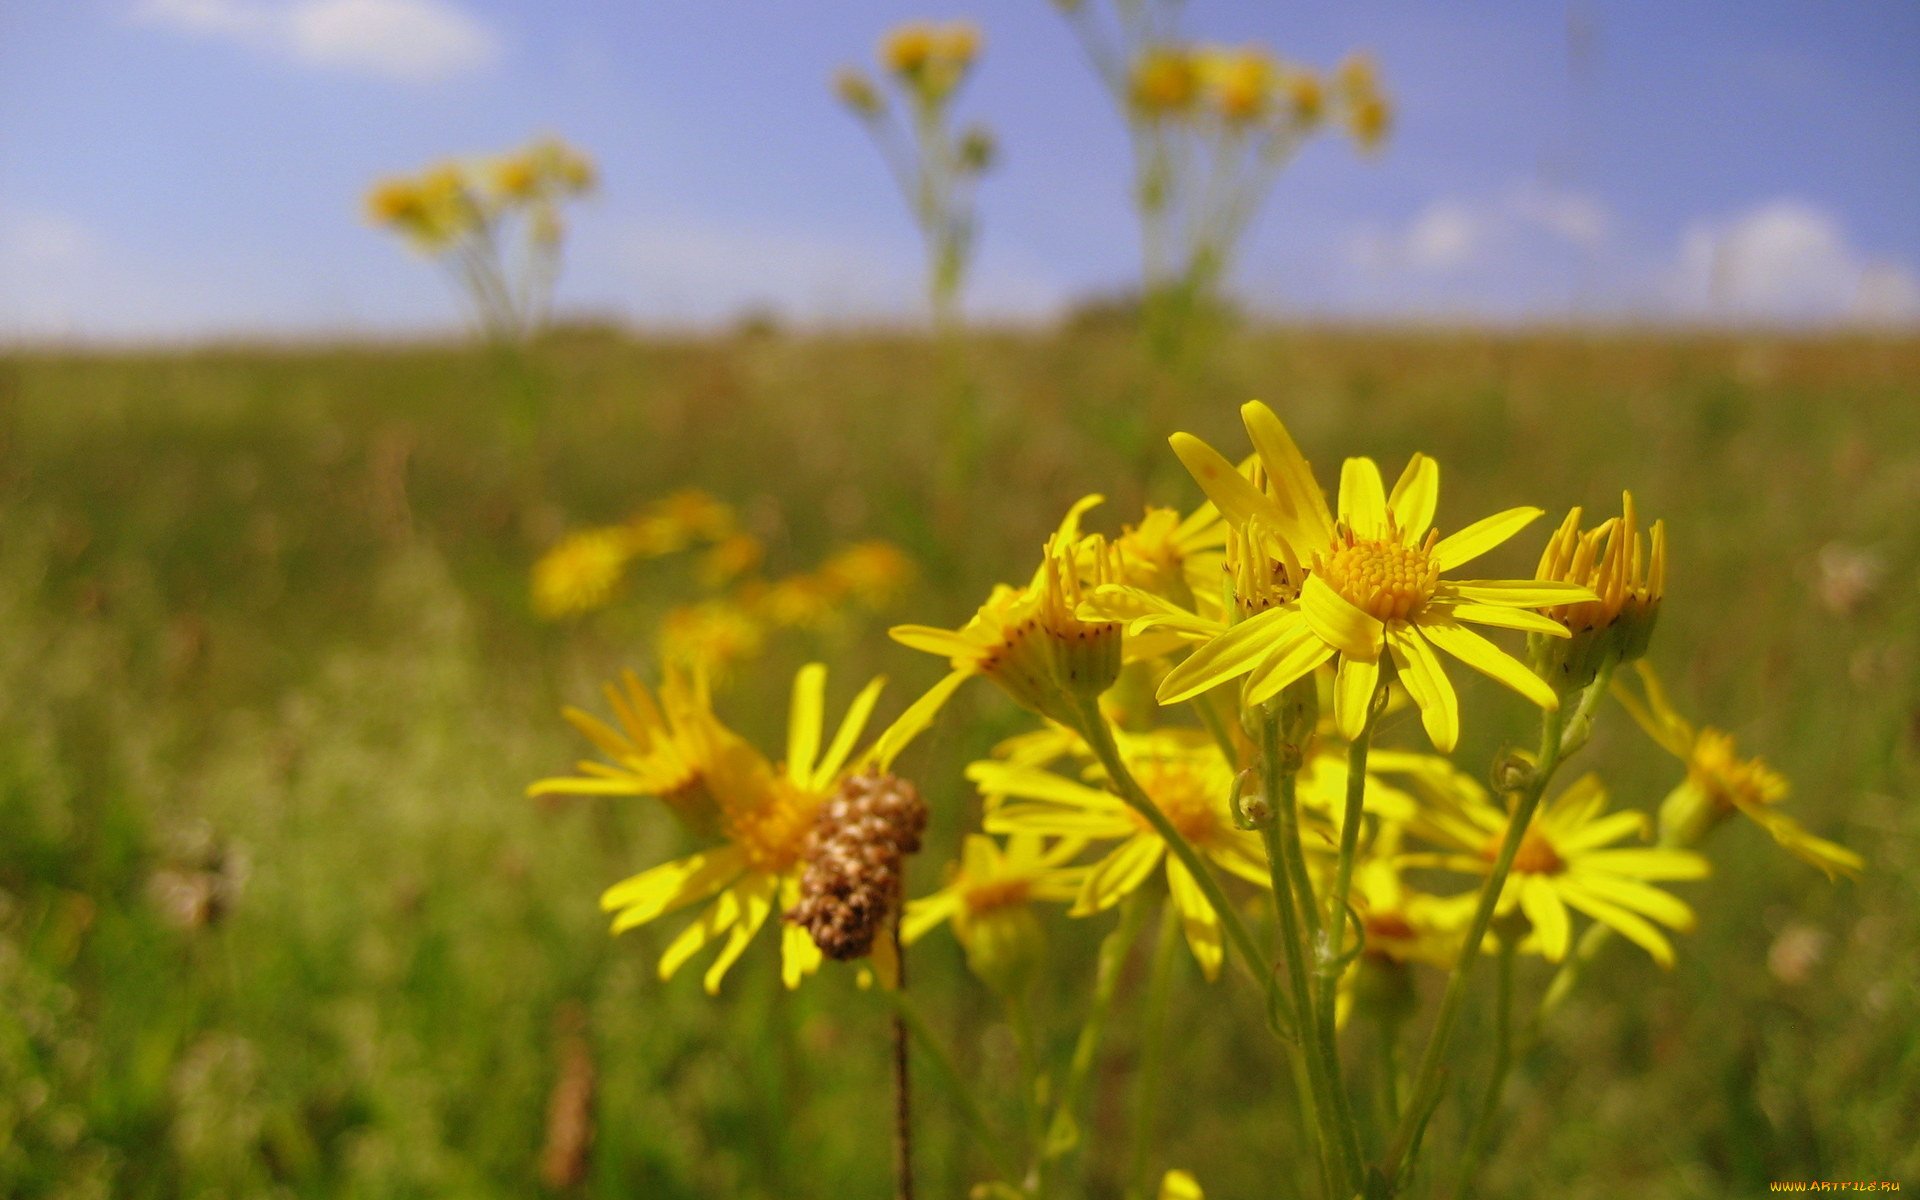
263, 618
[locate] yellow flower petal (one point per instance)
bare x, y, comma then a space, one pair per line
1548, 914
1488, 659
1197, 919
851, 727
1507, 618
1517, 593
756, 901
1348, 629
911, 723
1233, 653
799, 956
1015, 779
1310, 524
1116, 876
1363, 498
717, 919
1428, 684
1414, 499
1290, 654
1632, 926
1470, 543
669, 886
1353, 685
944, 642
1180, 1185
1630, 894
1237, 499
806, 713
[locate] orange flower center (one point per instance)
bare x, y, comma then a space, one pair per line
996, 893
774, 833
1190, 807
1536, 855
1381, 576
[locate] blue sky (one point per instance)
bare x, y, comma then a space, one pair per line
192, 168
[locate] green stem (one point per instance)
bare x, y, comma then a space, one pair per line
1033, 1069
990, 1139
1114, 949
1426, 1086
1094, 728
1482, 1133
1146, 1082
1331, 945
1291, 896
1389, 1032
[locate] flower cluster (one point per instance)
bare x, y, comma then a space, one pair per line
1212, 128
470, 214
934, 165
737, 607
1245, 718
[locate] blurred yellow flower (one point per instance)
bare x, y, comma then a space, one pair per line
1720, 783
715, 635
1373, 584
1185, 775
1164, 81
1564, 861
763, 812
728, 559
871, 573
581, 573
988, 900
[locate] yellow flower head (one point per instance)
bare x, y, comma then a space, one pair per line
870, 573
1368, 113
1567, 859
515, 178
1164, 82
1306, 96
796, 602
762, 813
728, 559
394, 202
1240, 82
658, 748
714, 635
857, 92
1185, 775
1627, 572
581, 573
907, 49
989, 900
1033, 641
1374, 585
693, 514
1720, 782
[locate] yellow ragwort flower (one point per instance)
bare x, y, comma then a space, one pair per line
988, 900
1372, 585
1720, 782
761, 811
1032, 641
581, 573
713, 635
1627, 572
1184, 774
1164, 81
1567, 859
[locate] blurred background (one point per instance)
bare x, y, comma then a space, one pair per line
275, 916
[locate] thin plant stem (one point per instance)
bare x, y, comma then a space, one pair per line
1426, 1085
1094, 728
948, 1076
1482, 1134
1114, 950
1146, 1081
902, 1082
1389, 1033
1280, 836
1033, 1068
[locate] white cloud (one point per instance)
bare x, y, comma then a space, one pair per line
1791, 262
1452, 235
413, 41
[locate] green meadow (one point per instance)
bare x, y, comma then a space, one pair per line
276, 918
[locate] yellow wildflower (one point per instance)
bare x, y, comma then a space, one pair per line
1628, 575
1032, 641
989, 897
872, 573
713, 635
1720, 783
1164, 81
581, 573
1185, 776
1565, 860
1372, 584
763, 812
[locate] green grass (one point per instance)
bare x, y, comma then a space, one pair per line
268, 607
